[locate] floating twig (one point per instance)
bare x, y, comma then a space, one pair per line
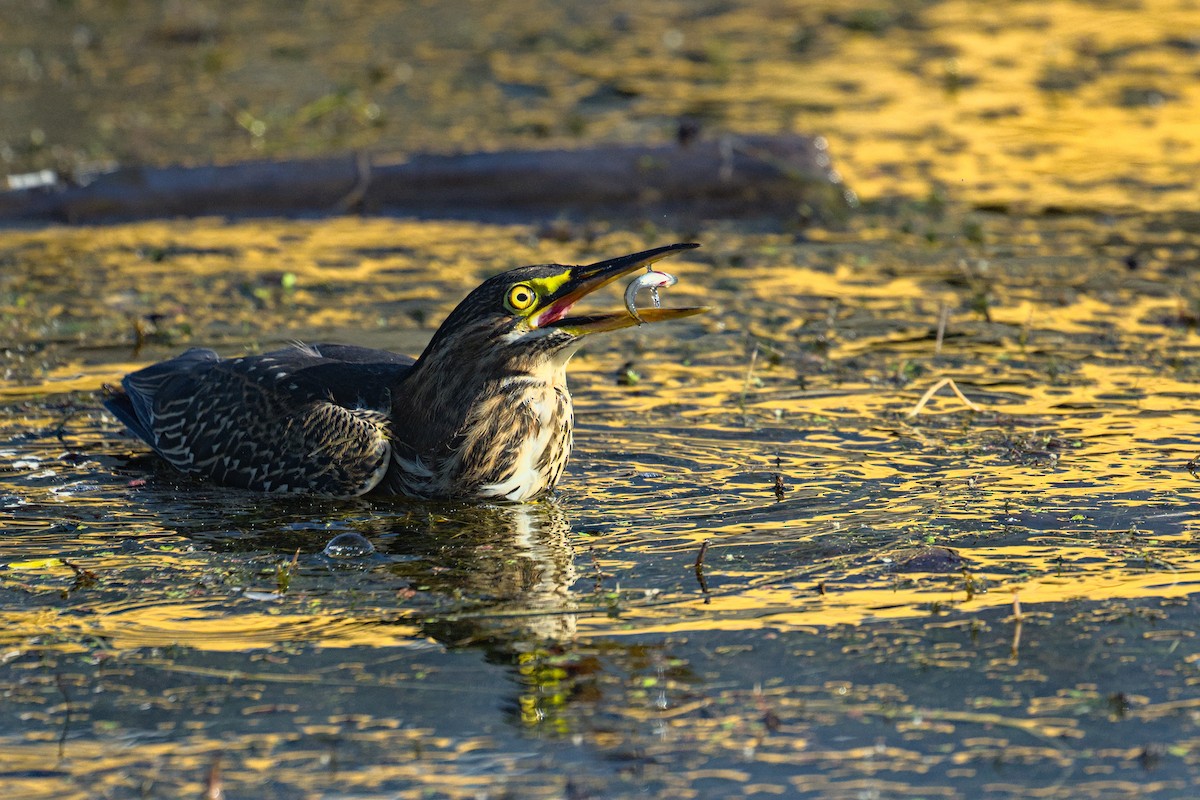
699, 567
213, 789
925, 398
1018, 619
60, 682
598, 574
749, 378
943, 319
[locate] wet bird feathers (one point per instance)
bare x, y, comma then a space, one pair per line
483, 414
322, 419
308, 418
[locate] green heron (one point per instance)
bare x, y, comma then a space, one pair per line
483, 414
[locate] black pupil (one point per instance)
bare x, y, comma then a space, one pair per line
521, 298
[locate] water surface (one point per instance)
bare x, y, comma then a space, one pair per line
957, 603
763, 575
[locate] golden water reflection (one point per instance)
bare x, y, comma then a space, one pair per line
857, 555
992, 604
807, 370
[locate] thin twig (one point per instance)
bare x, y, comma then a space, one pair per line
749, 377
943, 319
1018, 620
213, 789
699, 567
62, 738
358, 192
925, 398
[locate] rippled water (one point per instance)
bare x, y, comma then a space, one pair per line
763, 574
955, 603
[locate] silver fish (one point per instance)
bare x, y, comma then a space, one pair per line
652, 279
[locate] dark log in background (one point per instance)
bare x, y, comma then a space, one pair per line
790, 177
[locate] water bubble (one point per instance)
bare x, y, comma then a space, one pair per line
349, 545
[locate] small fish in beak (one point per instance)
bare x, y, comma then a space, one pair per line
653, 280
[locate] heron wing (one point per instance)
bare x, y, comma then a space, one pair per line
310, 419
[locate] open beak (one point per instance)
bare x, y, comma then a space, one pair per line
585, 280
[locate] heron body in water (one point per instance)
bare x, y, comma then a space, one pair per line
483, 414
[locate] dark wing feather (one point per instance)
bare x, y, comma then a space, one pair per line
350, 376
299, 419
354, 354
142, 386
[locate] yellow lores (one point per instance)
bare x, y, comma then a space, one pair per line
483, 414
546, 287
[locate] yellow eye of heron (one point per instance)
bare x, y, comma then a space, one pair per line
520, 298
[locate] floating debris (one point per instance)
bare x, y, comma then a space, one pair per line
925, 398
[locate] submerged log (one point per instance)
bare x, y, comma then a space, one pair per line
731, 176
